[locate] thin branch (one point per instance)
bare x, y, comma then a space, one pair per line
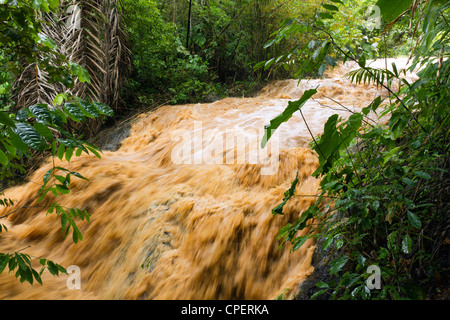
23, 207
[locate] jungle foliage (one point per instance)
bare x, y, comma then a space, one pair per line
384, 188
40, 128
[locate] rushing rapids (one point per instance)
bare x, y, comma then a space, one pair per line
183, 209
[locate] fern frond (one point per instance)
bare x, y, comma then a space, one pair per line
369, 75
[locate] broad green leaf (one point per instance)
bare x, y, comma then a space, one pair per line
89, 110
59, 99
407, 244
22, 115
298, 242
64, 219
4, 260
327, 243
76, 174
45, 40
322, 285
330, 7
397, 123
41, 113
69, 153
37, 4
391, 154
53, 4
52, 267
83, 76
36, 276
325, 15
414, 220
30, 136
44, 131
5, 119
61, 151
62, 189
391, 9
74, 112
287, 195
409, 182
286, 115
3, 158
103, 108
422, 175
337, 264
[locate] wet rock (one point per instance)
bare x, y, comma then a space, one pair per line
321, 261
111, 139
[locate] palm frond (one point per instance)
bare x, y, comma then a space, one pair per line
90, 33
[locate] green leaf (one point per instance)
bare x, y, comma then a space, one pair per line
286, 115
61, 151
408, 182
30, 136
322, 285
391, 9
53, 4
41, 113
325, 15
397, 123
327, 243
36, 276
298, 242
318, 293
80, 72
94, 151
61, 268
3, 158
89, 109
52, 268
393, 152
337, 264
5, 119
64, 219
84, 76
74, 112
44, 131
362, 61
330, 7
76, 174
103, 108
287, 195
69, 153
36, 4
339, 243
4, 260
59, 99
414, 220
422, 175
62, 189
407, 244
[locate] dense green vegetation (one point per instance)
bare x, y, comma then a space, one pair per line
384, 189
40, 128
